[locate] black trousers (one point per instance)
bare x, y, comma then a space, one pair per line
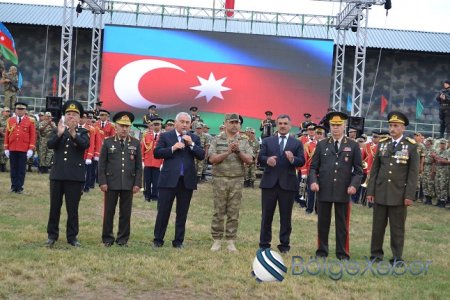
125, 205
165, 202
269, 200
396, 215
18, 165
342, 221
72, 192
310, 199
151, 177
90, 176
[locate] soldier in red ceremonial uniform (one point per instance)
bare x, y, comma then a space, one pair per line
20, 140
368, 154
151, 164
309, 149
86, 123
310, 129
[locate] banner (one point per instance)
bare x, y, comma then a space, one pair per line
7, 46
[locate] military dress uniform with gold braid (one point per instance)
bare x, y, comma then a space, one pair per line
3, 158
393, 178
120, 168
227, 185
66, 177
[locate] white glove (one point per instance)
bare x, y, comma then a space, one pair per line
88, 161
29, 153
7, 153
96, 158
304, 176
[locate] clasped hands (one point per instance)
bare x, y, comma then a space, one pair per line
272, 161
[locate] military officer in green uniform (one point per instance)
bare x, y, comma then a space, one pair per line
228, 153
119, 176
204, 142
392, 186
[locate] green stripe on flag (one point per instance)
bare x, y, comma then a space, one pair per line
419, 109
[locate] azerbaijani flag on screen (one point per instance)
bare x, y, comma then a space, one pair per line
7, 46
217, 72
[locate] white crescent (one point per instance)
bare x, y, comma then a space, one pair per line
126, 81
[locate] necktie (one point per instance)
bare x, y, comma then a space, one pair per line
121, 144
394, 143
103, 124
156, 136
180, 139
20, 119
336, 146
283, 137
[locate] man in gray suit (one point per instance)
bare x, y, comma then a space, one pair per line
392, 186
336, 173
119, 175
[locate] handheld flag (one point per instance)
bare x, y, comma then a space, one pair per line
7, 46
419, 108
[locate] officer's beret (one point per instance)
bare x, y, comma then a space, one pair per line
398, 117
193, 108
268, 113
152, 106
73, 106
123, 118
336, 117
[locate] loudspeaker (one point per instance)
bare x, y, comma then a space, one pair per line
53, 103
56, 115
356, 123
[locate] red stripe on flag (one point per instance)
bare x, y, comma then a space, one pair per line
6, 42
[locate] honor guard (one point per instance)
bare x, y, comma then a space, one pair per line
307, 121
151, 114
268, 125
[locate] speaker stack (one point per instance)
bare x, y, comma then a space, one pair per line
356, 123
54, 105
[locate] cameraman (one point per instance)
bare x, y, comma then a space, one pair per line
444, 108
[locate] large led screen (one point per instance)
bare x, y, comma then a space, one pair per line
217, 72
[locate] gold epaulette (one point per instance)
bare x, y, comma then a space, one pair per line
384, 139
411, 140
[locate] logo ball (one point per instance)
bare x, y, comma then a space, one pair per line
268, 266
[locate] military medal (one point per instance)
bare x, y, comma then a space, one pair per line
132, 152
112, 148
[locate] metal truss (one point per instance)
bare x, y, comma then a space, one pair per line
66, 50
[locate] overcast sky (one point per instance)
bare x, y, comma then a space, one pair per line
431, 15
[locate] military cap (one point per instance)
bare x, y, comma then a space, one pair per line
73, 106
397, 117
232, 117
205, 125
139, 125
90, 114
123, 118
169, 122
48, 114
336, 117
21, 105
6, 108
311, 126
100, 111
429, 139
156, 120
319, 128
307, 115
41, 113
193, 108
198, 125
442, 141
447, 81
268, 113
152, 106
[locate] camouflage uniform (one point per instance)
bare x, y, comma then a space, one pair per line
227, 186
199, 164
441, 180
421, 150
205, 161
3, 158
11, 90
427, 176
250, 170
45, 154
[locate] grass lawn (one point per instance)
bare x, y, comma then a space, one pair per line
31, 271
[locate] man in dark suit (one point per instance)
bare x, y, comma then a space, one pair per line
392, 186
335, 173
119, 175
178, 177
280, 155
67, 173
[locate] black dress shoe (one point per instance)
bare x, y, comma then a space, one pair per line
376, 258
178, 246
397, 262
125, 245
50, 242
75, 243
107, 245
156, 245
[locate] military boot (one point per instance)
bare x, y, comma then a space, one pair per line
199, 179
29, 169
441, 203
2, 168
246, 183
252, 184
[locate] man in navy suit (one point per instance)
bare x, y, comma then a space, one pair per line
280, 154
178, 177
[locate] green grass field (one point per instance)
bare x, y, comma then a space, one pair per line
31, 271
